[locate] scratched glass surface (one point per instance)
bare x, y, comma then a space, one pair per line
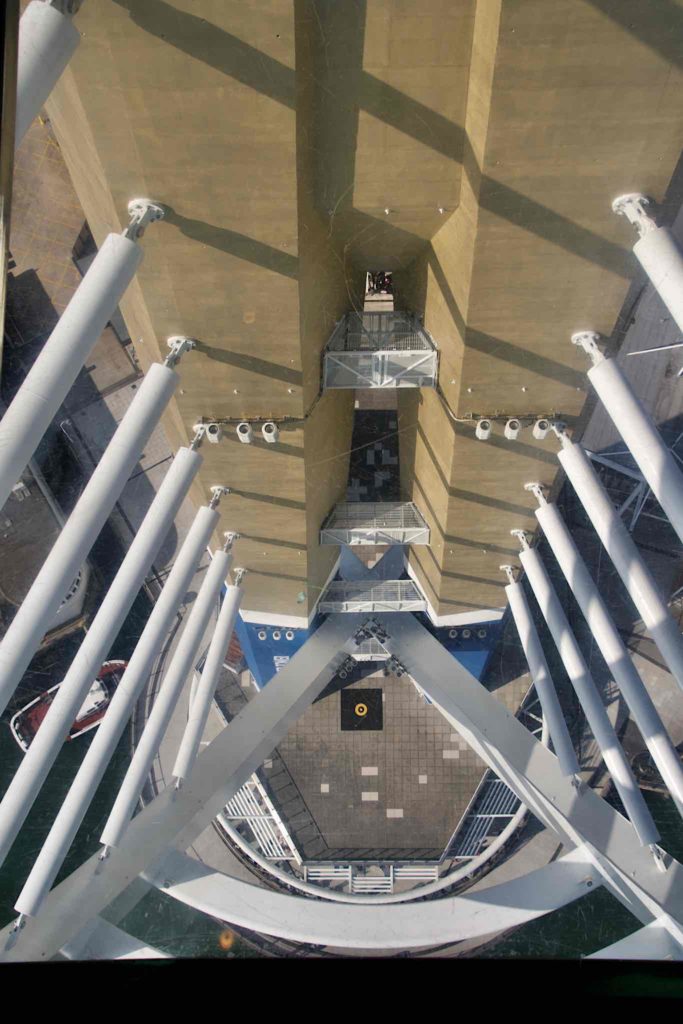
383, 220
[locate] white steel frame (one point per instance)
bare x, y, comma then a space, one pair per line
607, 849
253, 806
369, 596
375, 523
380, 350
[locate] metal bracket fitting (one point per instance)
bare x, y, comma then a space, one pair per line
66, 7
238, 575
634, 206
661, 858
196, 441
559, 429
394, 665
509, 571
538, 492
588, 341
178, 344
523, 538
142, 212
230, 538
369, 630
217, 492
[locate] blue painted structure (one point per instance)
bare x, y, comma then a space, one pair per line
268, 648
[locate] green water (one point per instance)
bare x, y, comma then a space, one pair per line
47, 669
594, 921
589, 924
582, 927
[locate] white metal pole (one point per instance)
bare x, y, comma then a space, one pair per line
34, 768
181, 665
635, 425
109, 732
540, 675
657, 252
582, 681
47, 42
59, 362
612, 648
624, 554
221, 770
201, 702
40, 605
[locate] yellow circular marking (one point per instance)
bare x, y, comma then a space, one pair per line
361, 710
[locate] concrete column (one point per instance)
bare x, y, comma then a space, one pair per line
582, 681
93, 766
182, 664
619, 545
40, 757
59, 363
201, 702
82, 527
47, 42
612, 648
540, 674
635, 425
657, 252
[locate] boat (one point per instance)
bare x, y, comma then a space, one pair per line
26, 722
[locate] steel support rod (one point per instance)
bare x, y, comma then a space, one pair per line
47, 41
33, 770
182, 663
635, 425
627, 560
40, 605
54, 371
221, 770
201, 702
582, 681
93, 766
657, 252
540, 675
612, 647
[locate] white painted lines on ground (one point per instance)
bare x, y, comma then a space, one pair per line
369, 771
394, 812
369, 796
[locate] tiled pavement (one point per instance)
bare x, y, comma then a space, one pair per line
360, 809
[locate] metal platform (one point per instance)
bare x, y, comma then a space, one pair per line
380, 350
389, 596
366, 522
370, 650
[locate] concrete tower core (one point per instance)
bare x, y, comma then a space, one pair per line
472, 147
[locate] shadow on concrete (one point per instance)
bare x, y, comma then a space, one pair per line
645, 21
204, 41
458, 492
241, 246
342, 50
274, 541
269, 499
252, 364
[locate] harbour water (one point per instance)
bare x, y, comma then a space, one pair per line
574, 931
